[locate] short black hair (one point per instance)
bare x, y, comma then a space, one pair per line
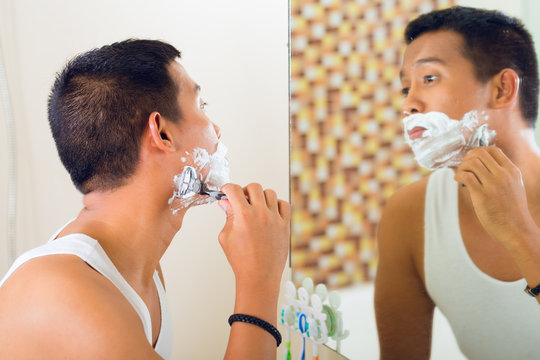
99, 107
493, 41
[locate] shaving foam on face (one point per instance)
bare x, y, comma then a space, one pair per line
216, 166
213, 170
444, 141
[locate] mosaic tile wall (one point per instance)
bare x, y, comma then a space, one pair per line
348, 154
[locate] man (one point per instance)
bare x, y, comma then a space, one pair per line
466, 239
124, 117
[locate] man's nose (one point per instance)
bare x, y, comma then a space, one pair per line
217, 130
412, 104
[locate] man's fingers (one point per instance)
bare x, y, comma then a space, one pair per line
487, 156
481, 162
271, 199
490, 165
255, 193
284, 209
226, 206
467, 178
235, 195
475, 166
252, 194
498, 155
505, 163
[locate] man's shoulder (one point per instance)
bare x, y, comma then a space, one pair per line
58, 284
408, 200
400, 234
58, 300
402, 222
46, 272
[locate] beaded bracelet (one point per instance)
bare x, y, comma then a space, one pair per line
259, 322
533, 291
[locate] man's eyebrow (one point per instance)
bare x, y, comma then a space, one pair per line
429, 59
197, 88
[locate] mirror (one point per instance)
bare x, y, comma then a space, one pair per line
348, 155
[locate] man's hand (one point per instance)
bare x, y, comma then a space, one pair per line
500, 202
255, 240
497, 192
255, 237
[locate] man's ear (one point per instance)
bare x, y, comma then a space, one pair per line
505, 88
160, 135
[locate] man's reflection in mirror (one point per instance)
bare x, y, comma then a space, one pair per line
465, 239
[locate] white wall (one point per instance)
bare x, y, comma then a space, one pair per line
236, 50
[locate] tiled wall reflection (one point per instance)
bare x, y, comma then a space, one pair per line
348, 153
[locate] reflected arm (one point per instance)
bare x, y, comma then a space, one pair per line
403, 309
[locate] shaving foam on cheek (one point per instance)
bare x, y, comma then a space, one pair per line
444, 141
216, 166
213, 170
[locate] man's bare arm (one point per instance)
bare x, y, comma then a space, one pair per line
58, 307
403, 309
255, 240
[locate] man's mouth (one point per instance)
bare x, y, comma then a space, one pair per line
416, 132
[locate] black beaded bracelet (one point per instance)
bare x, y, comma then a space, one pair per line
533, 291
259, 322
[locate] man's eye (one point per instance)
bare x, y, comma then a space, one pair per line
430, 78
203, 105
405, 92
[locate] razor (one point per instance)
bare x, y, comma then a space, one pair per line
189, 184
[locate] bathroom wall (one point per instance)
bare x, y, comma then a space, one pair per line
237, 52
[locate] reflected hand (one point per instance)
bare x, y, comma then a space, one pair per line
497, 192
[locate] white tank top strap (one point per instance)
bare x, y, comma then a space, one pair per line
165, 339
439, 219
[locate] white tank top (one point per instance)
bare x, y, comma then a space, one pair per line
491, 319
89, 250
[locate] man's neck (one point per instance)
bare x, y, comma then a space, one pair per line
519, 145
134, 230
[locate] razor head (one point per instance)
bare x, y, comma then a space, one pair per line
187, 183
482, 136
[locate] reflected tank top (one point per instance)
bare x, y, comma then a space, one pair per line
491, 319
